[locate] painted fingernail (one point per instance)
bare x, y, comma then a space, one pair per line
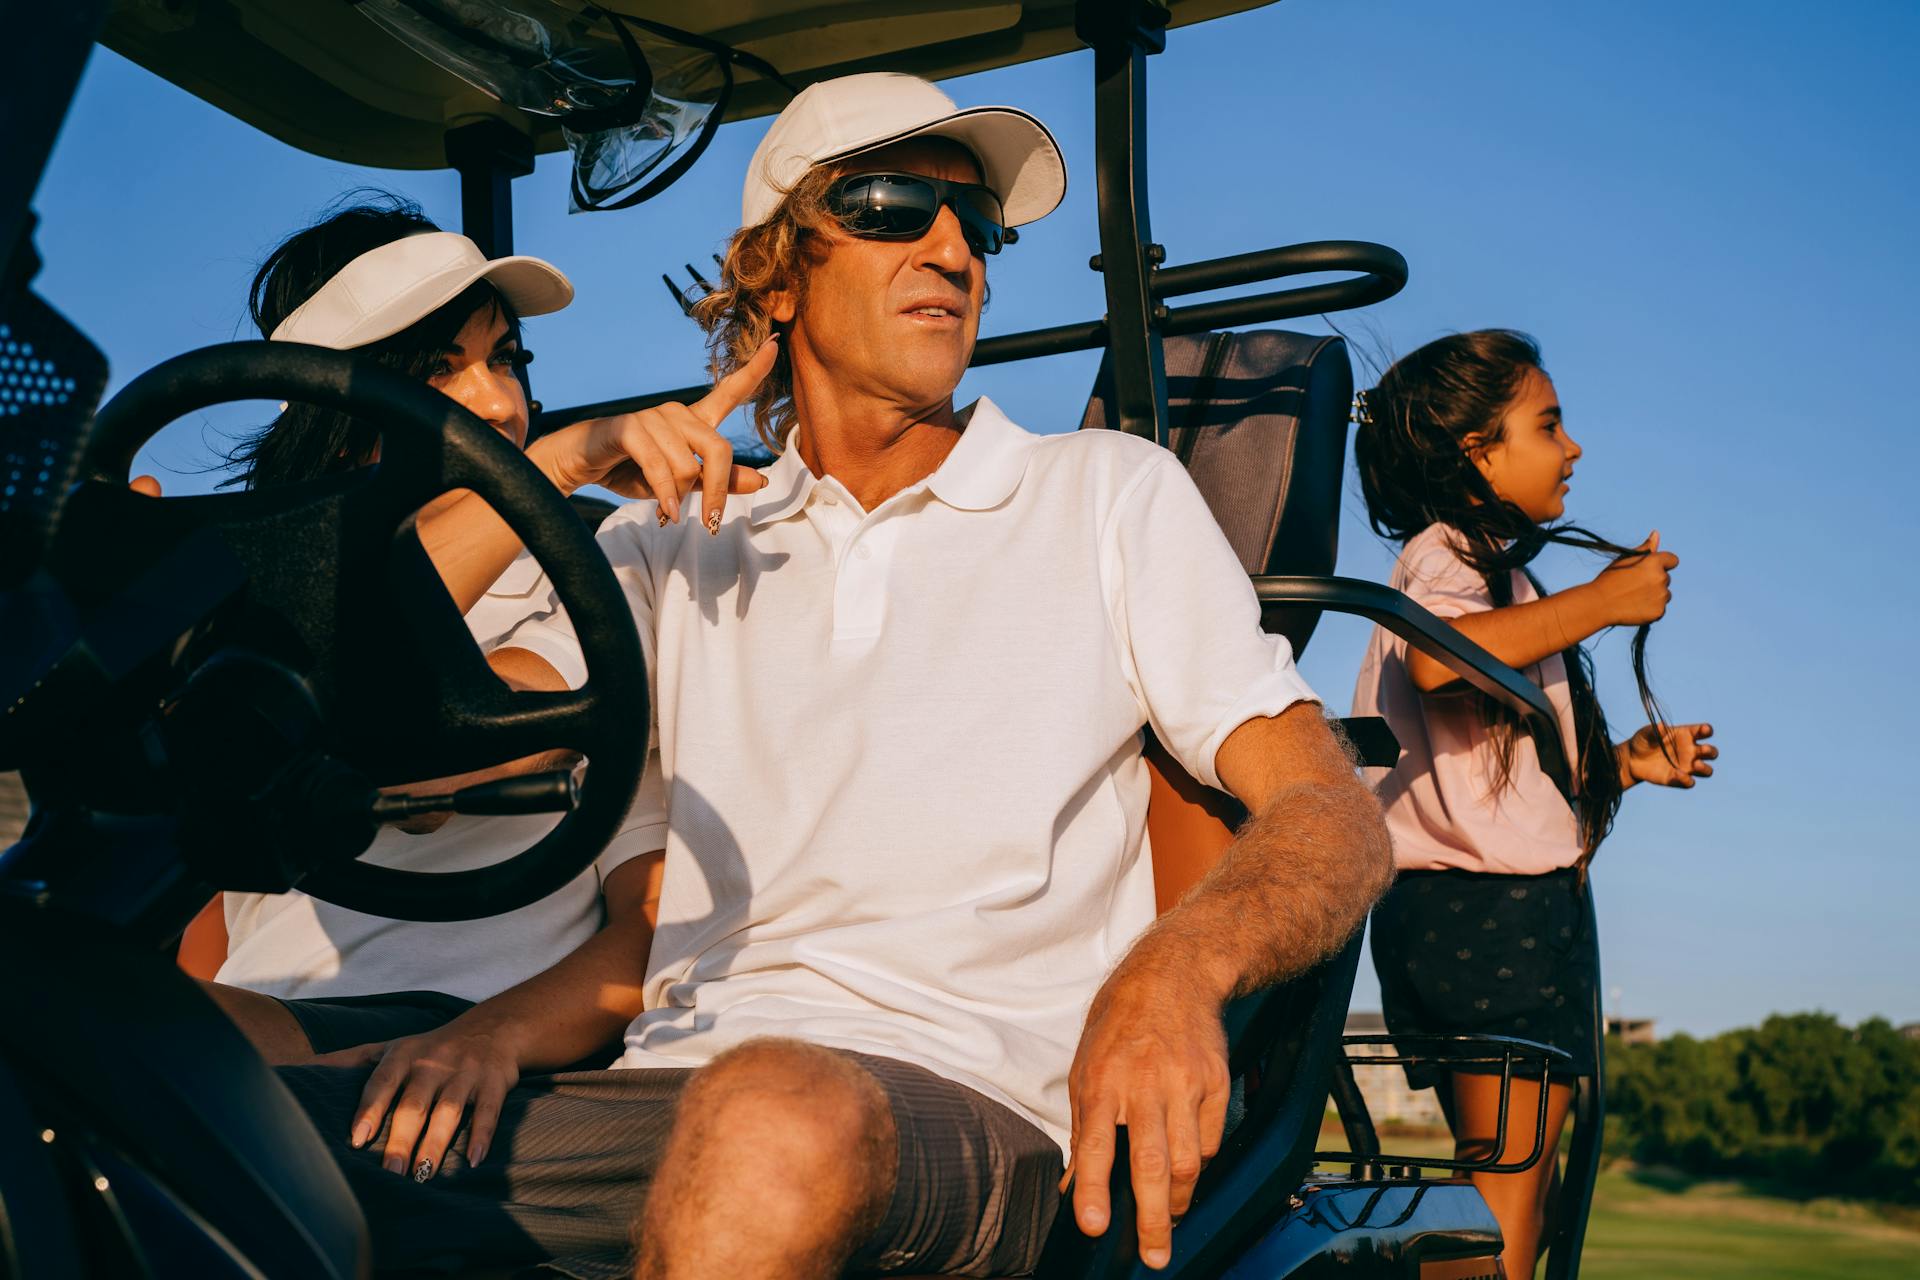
663, 517
713, 523
423, 1171
395, 1164
360, 1135
1157, 1257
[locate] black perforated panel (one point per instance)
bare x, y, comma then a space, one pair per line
50, 379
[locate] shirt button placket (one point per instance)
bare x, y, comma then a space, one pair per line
859, 594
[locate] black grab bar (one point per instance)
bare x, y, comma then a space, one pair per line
1380, 273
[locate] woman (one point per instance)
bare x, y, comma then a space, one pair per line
437, 1003
1464, 460
303, 976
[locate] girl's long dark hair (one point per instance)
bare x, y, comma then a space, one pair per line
306, 441
1416, 470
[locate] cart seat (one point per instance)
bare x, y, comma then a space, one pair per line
1259, 420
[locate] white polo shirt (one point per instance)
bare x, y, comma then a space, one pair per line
902, 748
295, 946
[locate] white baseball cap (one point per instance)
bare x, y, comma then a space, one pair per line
384, 290
838, 118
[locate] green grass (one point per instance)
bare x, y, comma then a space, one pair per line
1650, 1224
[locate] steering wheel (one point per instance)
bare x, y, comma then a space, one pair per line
334, 567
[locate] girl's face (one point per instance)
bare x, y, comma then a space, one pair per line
1532, 461
477, 371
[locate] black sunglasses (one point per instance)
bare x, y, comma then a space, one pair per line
903, 206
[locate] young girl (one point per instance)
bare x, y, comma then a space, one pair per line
1465, 461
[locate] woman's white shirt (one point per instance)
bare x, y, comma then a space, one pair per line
294, 946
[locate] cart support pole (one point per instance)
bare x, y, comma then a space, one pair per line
489, 154
1122, 33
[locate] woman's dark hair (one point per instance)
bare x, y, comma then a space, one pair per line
1419, 429
306, 441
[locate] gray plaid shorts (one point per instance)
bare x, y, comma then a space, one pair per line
975, 1193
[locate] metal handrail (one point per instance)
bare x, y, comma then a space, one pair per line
1382, 272
1504, 1050
1395, 612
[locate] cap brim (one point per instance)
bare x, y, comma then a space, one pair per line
531, 286
1019, 158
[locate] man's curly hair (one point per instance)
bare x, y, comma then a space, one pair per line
771, 257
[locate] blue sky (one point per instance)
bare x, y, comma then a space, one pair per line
1705, 212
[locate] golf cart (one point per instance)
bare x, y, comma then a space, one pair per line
205, 693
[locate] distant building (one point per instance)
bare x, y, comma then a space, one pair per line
1389, 1100
1631, 1030
1911, 1030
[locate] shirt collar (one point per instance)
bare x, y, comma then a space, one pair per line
788, 484
985, 467
981, 472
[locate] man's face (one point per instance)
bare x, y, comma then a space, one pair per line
895, 319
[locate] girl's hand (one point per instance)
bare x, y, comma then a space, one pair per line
664, 452
1635, 588
1667, 755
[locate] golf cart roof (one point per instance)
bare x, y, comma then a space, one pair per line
321, 77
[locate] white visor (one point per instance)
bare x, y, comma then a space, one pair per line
387, 289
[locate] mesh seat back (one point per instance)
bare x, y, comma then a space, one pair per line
1260, 421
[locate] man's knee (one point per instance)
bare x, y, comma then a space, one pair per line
793, 1121
813, 1103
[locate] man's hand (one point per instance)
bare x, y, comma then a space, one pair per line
1667, 755
1290, 890
663, 452
428, 1082
1153, 1057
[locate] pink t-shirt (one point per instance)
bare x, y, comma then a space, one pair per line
1441, 804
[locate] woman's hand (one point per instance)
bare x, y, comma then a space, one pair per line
1636, 588
428, 1082
664, 452
1667, 755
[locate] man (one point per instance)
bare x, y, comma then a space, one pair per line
906, 955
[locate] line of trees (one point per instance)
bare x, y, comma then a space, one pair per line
1800, 1100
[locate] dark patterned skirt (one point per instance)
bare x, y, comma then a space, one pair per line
1468, 953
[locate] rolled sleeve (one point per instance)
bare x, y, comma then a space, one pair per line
645, 829
1436, 578
548, 632
1188, 623
519, 593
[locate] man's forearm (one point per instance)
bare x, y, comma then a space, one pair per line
1290, 890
